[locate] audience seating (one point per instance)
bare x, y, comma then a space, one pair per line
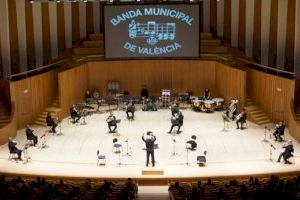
252, 188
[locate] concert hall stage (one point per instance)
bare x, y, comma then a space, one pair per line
229, 153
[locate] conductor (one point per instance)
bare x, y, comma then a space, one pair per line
149, 140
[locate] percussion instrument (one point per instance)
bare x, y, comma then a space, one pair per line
119, 95
96, 94
209, 105
219, 103
197, 104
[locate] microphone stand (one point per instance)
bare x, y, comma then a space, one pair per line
271, 148
127, 146
187, 156
265, 135
174, 151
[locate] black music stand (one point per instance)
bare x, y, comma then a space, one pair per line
127, 149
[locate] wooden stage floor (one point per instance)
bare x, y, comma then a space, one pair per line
229, 153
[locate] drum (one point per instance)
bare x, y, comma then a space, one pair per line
219, 103
209, 105
197, 104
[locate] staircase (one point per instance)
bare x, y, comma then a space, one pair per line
153, 193
255, 113
53, 109
4, 116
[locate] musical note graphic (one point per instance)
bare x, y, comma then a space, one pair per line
152, 31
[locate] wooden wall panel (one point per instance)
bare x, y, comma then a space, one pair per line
293, 123
75, 21
29, 35
257, 29
46, 33
273, 33
32, 95
60, 28
290, 36
72, 85
231, 83
213, 16
179, 76
89, 17
273, 94
242, 24
227, 19
13, 36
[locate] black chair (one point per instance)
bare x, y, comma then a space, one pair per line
101, 158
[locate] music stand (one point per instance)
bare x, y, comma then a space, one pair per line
43, 142
187, 154
59, 133
117, 149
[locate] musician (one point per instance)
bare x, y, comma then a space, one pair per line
149, 106
175, 109
232, 109
51, 122
279, 131
30, 135
192, 144
88, 97
130, 109
149, 140
241, 119
111, 122
287, 153
144, 92
177, 121
206, 95
75, 115
13, 149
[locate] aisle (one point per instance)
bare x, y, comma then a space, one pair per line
153, 193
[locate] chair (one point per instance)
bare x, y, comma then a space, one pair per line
201, 160
13, 156
101, 158
117, 149
29, 142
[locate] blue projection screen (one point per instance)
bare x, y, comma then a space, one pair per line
152, 31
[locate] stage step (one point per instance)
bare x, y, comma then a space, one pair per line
93, 43
53, 109
88, 51
255, 113
96, 36
4, 116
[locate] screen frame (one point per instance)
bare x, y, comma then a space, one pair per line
152, 57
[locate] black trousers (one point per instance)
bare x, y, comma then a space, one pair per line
76, 118
35, 139
241, 121
173, 125
17, 151
53, 127
150, 152
277, 136
128, 116
112, 125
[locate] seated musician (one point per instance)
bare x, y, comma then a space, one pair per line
30, 135
130, 109
279, 131
75, 115
192, 144
50, 122
206, 95
177, 121
287, 153
88, 97
111, 122
175, 109
241, 119
149, 106
232, 109
144, 92
13, 149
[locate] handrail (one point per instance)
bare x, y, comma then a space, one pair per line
266, 67
38, 69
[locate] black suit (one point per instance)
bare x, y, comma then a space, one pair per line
177, 122
241, 120
13, 149
31, 136
74, 115
288, 152
130, 109
112, 122
50, 122
149, 141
